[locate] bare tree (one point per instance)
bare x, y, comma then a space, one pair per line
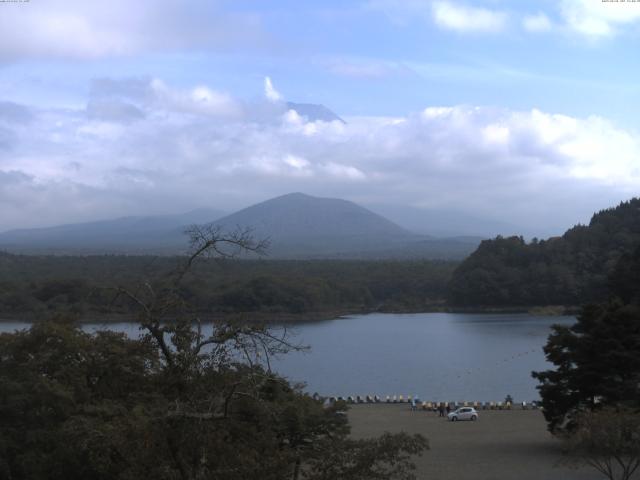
165, 315
607, 440
178, 332
222, 407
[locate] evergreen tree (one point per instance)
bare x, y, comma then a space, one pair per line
598, 358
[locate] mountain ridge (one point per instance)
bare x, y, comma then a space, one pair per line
299, 226
121, 232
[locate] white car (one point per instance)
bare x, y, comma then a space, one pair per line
463, 413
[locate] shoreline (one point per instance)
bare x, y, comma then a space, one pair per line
309, 317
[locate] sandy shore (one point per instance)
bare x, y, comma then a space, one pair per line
500, 445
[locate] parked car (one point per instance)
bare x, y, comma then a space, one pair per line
463, 413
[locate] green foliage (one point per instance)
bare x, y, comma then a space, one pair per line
597, 359
38, 287
75, 406
597, 362
174, 404
567, 270
63, 393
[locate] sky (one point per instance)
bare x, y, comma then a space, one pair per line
521, 112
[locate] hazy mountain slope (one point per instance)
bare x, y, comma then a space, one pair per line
298, 226
302, 226
572, 269
109, 235
300, 216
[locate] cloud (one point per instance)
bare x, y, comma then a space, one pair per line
447, 15
14, 113
131, 88
598, 18
537, 23
190, 149
113, 111
198, 100
126, 100
466, 19
270, 92
78, 29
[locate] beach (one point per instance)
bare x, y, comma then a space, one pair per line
501, 444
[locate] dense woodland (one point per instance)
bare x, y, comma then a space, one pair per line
568, 270
36, 286
174, 404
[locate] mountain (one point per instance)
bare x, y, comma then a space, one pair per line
125, 234
302, 226
297, 216
314, 112
298, 226
573, 269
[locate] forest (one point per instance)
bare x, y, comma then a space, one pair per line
35, 286
569, 270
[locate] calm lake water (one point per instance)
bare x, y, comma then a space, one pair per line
437, 356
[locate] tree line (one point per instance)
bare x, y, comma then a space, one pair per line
40, 286
569, 270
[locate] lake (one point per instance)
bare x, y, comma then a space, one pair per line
437, 356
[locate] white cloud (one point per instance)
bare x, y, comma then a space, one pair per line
200, 99
65, 165
270, 92
124, 101
343, 171
596, 18
537, 23
462, 18
86, 30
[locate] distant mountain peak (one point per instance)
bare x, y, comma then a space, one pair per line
298, 215
295, 195
314, 112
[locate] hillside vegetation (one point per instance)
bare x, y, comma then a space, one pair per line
568, 270
39, 286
